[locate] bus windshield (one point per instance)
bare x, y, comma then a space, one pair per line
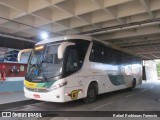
44, 64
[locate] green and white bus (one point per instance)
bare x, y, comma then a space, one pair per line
75, 66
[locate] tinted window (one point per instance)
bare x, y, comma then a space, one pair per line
74, 56
97, 53
110, 56
72, 61
103, 54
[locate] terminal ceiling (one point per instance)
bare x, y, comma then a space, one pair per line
112, 21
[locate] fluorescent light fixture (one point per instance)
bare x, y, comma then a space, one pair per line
44, 35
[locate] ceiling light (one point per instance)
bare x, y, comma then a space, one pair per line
44, 35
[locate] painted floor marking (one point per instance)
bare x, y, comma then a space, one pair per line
144, 90
151, 87
129, 95
102, 106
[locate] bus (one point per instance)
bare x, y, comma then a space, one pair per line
73, 67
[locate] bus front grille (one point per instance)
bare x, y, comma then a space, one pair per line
37, 90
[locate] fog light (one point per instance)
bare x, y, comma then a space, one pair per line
57, 96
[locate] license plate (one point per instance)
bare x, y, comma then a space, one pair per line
36, 96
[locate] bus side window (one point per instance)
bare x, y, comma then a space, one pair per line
110, 56
97, 53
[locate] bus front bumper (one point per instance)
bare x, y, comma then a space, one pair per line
52, 96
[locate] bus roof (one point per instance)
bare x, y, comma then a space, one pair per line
67, 37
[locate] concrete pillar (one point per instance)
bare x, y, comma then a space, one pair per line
151, 70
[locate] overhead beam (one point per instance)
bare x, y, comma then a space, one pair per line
21, 5
139, 42
154, 56
67, 5
112, 11
17, 38
142, 45
146, 5
124, 34
149, 52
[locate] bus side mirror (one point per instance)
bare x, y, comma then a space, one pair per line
21, 52
62, 47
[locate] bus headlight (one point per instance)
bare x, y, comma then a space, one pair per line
57, 86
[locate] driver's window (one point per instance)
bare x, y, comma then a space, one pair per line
72, 62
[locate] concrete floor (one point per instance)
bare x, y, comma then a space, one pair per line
144, 98
9, 97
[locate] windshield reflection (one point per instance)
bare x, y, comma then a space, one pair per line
44, 63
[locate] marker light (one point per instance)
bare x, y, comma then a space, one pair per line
39, 47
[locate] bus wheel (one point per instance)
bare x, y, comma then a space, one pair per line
133, 84
91, 93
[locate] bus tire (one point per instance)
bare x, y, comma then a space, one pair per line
91, 93
133, 84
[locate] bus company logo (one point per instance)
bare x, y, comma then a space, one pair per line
74, 94
6, 114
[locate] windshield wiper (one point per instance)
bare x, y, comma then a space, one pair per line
54, 76
48, 58
43, 73
34, 67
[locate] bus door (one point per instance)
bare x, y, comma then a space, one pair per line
74, 81
72, 67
